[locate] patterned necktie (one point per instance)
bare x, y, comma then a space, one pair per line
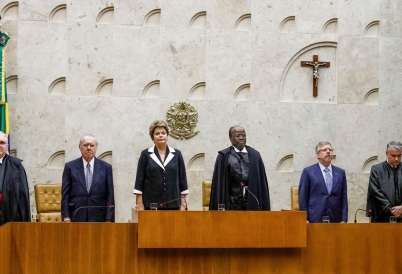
328, 179
88, 177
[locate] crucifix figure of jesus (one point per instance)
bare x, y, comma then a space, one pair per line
316, 75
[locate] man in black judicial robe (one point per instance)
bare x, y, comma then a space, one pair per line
239, 180
385, 187
14, 192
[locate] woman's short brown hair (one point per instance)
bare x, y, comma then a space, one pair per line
155, 124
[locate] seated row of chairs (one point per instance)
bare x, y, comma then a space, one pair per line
48, 200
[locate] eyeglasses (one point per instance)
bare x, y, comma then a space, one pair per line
327, 149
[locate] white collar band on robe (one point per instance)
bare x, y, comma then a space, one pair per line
244, 150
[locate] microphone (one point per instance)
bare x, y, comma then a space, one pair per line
361, 210
87, 207
246, 188
1, 218
171, 201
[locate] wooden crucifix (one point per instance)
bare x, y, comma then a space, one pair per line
315, 64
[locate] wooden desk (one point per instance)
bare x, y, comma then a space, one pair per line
112, 248
217, 229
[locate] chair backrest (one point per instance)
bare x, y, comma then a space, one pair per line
206, 193
294, 198
48, 202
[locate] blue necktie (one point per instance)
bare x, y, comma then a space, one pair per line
88, 177
328, 179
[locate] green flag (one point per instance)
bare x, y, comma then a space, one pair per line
4, 118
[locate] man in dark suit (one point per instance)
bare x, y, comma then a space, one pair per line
87, 187
323, 189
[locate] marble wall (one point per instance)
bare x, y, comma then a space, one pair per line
111, 68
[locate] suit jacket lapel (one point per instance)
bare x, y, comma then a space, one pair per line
96, 173
81, 173
154, 157
334, 178
320, 177
170, 156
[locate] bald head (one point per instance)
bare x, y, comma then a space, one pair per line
237, 136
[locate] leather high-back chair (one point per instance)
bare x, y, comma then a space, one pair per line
48, 202
294, 198
206, 193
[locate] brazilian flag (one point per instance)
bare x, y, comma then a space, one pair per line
4, 118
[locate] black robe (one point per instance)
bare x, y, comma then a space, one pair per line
381, 191
257, 182
15, 206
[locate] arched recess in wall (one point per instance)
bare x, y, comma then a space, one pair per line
197, 92
57, 160
58, 14
244, 22
197, 162
12, 84
371, 97
10, 11
285, 164
105, 88
369, 163
199, 20
287, 24
242, 93
331, 26
372, 29
297, 55
153, 18
58, 86
151, 90
106, 156
106, 16
13, 152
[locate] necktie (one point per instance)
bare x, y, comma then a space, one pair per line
241, 154
88, 177
328, 179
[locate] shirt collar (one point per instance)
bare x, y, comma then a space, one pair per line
1, 159
91, 163
323, 167
391, 165
243, 150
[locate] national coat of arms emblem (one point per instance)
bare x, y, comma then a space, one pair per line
182, 119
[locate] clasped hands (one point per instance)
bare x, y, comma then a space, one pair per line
396, 211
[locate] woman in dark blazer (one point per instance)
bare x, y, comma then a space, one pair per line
161, 174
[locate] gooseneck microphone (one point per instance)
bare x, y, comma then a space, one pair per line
87, 207
246, 188
171, 201
358, 211
1, 218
